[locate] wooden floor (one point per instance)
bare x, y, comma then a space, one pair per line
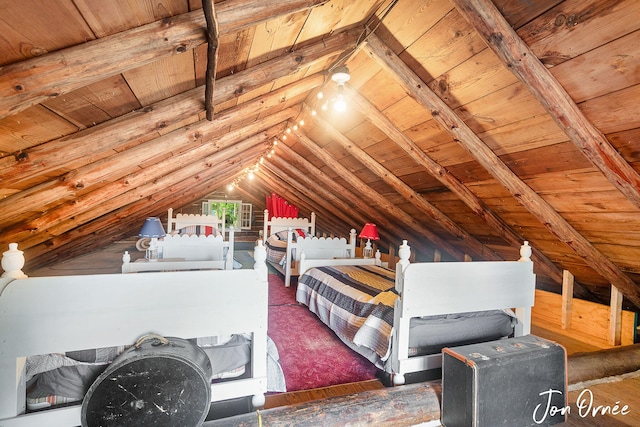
609, 395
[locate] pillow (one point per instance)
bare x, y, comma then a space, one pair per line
199, 230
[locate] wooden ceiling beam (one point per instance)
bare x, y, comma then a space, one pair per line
115, 135
125, 221
459, 235
123, 162
463, 135
382, 122
378, 200
523, 63
109, 197
35, 80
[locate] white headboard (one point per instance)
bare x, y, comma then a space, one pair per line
276, 224
184, 220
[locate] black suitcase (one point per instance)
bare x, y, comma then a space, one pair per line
511, 382
157, 382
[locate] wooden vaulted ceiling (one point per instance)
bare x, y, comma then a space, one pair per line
472, 125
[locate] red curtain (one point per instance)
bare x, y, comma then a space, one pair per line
279, 207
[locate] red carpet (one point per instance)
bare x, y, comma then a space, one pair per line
311, 355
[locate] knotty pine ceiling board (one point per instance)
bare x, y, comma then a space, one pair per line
479, 76
527, 134
627, 143
369, 138
233, 54
469, 172
381, 89
552, 158
30, 128
423, 182
508, 105
518, 13
162, 79
608, 68
575, 27
408, 21
114, 16
336, 15
273, 37
95, 103
614, 112
449, 43
406, 113
36, 27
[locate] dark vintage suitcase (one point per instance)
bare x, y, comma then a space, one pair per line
157, 382
511, 382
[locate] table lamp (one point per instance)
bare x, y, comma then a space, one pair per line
370, 233
153, 229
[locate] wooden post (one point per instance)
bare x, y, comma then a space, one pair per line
567, 299
212, 54
615, 317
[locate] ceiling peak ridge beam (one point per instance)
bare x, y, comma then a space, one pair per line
459, 234
379, 201
536, 205
37, 79
454, 185
120, 192
523, 63
120, 163
111, 136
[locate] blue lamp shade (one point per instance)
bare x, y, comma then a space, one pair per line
152, 227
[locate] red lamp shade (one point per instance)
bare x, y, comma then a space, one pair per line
369, 231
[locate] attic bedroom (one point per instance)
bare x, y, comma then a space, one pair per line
468, 131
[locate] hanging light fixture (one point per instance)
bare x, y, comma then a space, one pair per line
340, 75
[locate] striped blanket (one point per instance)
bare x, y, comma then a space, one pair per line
356, 302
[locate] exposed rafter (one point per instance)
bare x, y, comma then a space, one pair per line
462, 134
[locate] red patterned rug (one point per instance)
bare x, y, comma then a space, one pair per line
311, 355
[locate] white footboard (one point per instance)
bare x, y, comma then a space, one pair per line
65, 313
184, 252
429, 289
316, 248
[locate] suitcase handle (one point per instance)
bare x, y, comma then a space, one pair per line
148, 337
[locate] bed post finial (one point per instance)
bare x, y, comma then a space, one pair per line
12, 262
260, 258
404, 252
525, 252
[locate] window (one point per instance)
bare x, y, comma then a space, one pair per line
235, 212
